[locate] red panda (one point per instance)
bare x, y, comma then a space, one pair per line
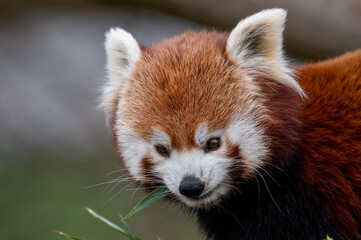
259, 150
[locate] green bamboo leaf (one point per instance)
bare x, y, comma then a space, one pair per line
151, 198
68, 236
110, 224
127, 229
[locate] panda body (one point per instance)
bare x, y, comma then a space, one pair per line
259, 150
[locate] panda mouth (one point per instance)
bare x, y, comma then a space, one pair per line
208, 199
206, 195
209, 193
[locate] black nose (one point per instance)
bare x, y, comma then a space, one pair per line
191, 187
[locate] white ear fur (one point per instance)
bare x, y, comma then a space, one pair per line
122, 52
256, 45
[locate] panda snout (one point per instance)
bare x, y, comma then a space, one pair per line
191, 187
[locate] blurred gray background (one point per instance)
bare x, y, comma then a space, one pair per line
53, 141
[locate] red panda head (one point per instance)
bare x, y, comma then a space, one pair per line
202, 110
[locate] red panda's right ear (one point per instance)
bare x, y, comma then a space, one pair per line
122, 52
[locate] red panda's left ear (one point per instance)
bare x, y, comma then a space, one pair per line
122, 52
256, 45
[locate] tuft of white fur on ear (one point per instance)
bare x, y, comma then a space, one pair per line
122, 52
256, 45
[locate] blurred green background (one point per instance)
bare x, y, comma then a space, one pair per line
53, 142
45, 195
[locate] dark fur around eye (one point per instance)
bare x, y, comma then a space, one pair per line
162, 150
213, 144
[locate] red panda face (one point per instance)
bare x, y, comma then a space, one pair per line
187, 114
178, 116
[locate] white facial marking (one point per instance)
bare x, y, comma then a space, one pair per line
250, 137
160, 137
133, 148
210, 168
201, 133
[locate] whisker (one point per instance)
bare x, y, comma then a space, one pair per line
118, 182
259, 192
267, 174
131, 199
230, 213
98, 184
270, 192
170, 211
116, 194
138, 188
119, 170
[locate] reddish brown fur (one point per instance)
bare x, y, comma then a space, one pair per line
160, 96
237, 168
151, 180
331, 150
325, 130
284, 122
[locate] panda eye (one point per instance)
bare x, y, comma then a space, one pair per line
213, 144
162, 150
